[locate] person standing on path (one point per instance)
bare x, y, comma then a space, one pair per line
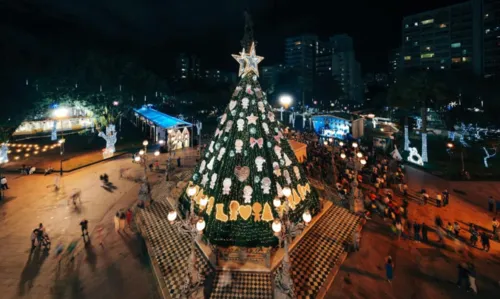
355, 240
122, 221
456, 229
34, 236
491, 203
485, 241
446, 198
84, 224
389, 267
425, 229
129, 218
116, 219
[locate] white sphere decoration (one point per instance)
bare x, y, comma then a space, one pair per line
172, 215
360, 155
145, 143
276, 202
287, 191
342, 156
191, 191
137, 159
204, 201
200, 225
307, 217
325, 142
341, 143
354, 144
141, 152
157, 153
363, 161
276, 226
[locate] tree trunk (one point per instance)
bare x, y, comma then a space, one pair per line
423, 132
407, 137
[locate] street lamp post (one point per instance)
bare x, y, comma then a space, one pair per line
285, 230
192, 227
60, 114
285, 101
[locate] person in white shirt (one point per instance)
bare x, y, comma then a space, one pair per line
3, 182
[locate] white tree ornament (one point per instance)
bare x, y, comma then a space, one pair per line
276, 169
248, 89
265, 127
232, 104
247, 194
266, 185
271, 116
252, 119
297, 172
237, 91
244, 103
202, 166
229, 125
211, 163
241, 124
260, 104
277, 151
213, 180
488, 155
288, 162
288, 179
259, 161
204, 180
226, 189
223, 118
211, 147
110, 137
279, 190
414, 157
238, 145
221, 153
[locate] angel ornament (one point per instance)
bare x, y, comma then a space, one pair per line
241, 124
244, 103
288, 162
297, 172
258, 93
265, 127
259, 161
221, 153
260, 104
229, 125
213, 180
266, 185
276, 169
226, 186
238, 144
270, 115
247, 194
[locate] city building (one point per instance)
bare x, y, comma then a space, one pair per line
324, 59
269, 74
187, 67
218, 76
345, 69
394, 64
300, 52
463, 36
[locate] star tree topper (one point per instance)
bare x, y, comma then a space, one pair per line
248, 62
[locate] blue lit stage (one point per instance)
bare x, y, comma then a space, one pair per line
331, 126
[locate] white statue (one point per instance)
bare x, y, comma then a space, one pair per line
110, 137
396, 155
414, 157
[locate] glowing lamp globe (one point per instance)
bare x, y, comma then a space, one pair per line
341, 143
60, 113
450, 145
157, 153
200, 225
354, 144
204, 202
137, 159
276, 226
141, 152
325, 142
331, 140
363, 161
287, 191
360, 155
115, 103
307, 217
161, 142
145, 143
342, 156
191, 191
276, 202
172, 215
286, 100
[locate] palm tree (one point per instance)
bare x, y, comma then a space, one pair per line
419, 90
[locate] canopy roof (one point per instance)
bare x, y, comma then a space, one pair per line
161, 119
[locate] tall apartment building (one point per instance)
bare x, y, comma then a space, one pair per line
269, 74
345, 69
394, 64
188, 67
300, 54
463, 36
324, 59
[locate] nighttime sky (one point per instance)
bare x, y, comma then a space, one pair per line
211, 28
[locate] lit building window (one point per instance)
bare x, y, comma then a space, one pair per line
427, 55
416, 23
407, 57
456, 60
464, 51
428, 48
486, 15
442, 25
406, 25
425, 22
407, 38
298, 43
456, 45
487, 31
442, 67
415, 43
465, 59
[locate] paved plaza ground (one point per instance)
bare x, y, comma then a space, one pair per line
121, 268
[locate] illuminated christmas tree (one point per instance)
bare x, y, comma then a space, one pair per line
247, 164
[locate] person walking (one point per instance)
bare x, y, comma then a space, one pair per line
3, 182
456, 229
439, 201
116, 220
409, 226
355, 240
122, 221
485, 241
491, 203
34, 237
425, 229
416, 231
389, 269
84, 224
129, 218
472, 278
399, 229
446, 197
